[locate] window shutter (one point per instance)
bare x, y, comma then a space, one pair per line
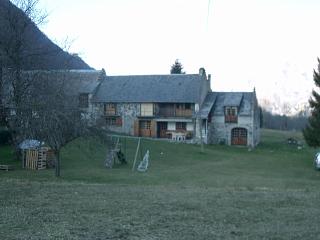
136, 128
153, 128
119, 121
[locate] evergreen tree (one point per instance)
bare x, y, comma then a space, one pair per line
176, 68
312, 132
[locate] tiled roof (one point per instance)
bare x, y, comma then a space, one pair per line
217, 101
73, 81
176, 88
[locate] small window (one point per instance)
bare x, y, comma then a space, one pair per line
84, 100
188, 106
231, 111
180, 106
114, 121
145, 124
147, 109
181, 126
110, 109
231, 115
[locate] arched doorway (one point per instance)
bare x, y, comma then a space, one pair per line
239, 136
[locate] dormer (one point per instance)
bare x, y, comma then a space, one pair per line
232, 103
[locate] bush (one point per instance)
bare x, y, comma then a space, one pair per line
5, 137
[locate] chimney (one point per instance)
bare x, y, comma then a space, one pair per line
209, 82
202, 72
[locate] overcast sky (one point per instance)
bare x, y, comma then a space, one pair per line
268, 44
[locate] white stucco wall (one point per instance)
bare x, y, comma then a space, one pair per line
190, 126
171, 126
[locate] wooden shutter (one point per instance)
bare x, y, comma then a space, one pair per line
119, 121
153, 129
136, 128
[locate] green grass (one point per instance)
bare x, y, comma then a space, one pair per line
271, 192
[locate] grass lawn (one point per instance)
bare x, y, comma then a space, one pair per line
271, 192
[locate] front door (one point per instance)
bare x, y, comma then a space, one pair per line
145, 128
162, 129
239, 136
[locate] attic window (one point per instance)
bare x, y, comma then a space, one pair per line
231, 111
110, 109
84, 100
231, 114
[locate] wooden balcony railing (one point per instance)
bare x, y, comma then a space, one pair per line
183, 113
170, 112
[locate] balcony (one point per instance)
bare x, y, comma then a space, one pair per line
170, 110
183, 113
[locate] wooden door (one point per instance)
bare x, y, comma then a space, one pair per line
239, 136
162, 129
145, 128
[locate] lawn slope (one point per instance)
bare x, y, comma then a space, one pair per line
271, 192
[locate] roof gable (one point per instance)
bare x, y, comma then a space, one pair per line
217, 101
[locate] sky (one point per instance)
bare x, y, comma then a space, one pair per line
269, 45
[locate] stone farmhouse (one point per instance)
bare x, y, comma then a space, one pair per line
181, 107
175, 106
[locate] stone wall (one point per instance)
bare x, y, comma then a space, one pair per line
128, 113
220, 132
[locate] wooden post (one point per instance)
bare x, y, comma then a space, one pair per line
57, 163
136, 155
23, 159
125, 148
201, 137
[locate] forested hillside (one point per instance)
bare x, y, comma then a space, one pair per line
39, 52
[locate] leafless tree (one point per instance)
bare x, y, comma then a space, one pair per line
40, 108
50, 112
16, 47
20, 49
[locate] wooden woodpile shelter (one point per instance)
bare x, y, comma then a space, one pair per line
38, 158
35, 159
35, 156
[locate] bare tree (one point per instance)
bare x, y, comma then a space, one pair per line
16, 50
20, 50
50, 112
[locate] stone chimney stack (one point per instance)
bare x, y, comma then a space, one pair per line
209, 82
202, 72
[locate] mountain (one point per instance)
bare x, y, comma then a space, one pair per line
18, 34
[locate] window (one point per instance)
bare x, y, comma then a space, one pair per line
181, 126
231, 115
183, 110
187, 106
114, 121
183, 106
145, 124
180, 106
110, 109
231, 111
147, 109
84, 100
